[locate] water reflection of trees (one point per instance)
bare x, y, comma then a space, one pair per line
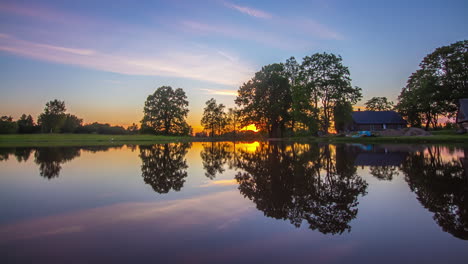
314, 183
385, 173
49, 159
441, 185
164, 166
214, 156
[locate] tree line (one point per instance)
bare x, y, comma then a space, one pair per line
55, 119
289, 98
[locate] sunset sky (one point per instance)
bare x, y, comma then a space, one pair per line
103, 58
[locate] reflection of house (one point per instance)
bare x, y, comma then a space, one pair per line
380, 155
376, 121
380, 159
462, 115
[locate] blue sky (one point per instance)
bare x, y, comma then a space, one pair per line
104, 57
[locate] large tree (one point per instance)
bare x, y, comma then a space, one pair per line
265, 100
214, 118
434, 89
379, 104
53, 117
422, 101
304, 115
165, 112
327, 81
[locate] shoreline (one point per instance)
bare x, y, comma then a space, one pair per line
44, 140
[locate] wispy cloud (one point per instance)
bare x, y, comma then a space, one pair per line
201, 65
249, 11
248, 34
290, 24
220, 92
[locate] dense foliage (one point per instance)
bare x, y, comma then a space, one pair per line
435, 88
165, 112
379, 104
292, 97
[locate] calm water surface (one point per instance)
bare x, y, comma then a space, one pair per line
234, 203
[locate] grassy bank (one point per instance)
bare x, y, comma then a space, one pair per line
435, 139
38, 140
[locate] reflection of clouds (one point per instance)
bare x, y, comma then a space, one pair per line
217, 209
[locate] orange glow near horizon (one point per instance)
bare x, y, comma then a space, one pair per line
251, 127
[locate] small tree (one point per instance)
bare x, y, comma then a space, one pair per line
26, 124
7, 125
53, 118
71, 123
133, 129
214, 117
233, 119
379, 104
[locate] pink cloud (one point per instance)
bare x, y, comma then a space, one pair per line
203, 65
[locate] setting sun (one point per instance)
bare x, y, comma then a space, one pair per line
250, 127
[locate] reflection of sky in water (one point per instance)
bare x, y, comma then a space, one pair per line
99, 209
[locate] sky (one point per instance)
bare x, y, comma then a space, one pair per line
103, 58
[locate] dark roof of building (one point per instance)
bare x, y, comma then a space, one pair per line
462, 115
377, 117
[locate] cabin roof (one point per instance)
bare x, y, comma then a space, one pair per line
462, 115
377, 117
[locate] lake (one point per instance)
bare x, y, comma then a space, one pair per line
222, 202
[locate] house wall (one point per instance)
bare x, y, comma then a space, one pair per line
375, 127
465, 125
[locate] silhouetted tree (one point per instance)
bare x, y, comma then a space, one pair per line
133, 129
434, 89
265, 100
26, 124
379, 104
7, 125
214, 118
165, 112
328, 82
71, 124
164, 166
303, 112
53, 118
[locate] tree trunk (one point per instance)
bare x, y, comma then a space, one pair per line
428, 122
